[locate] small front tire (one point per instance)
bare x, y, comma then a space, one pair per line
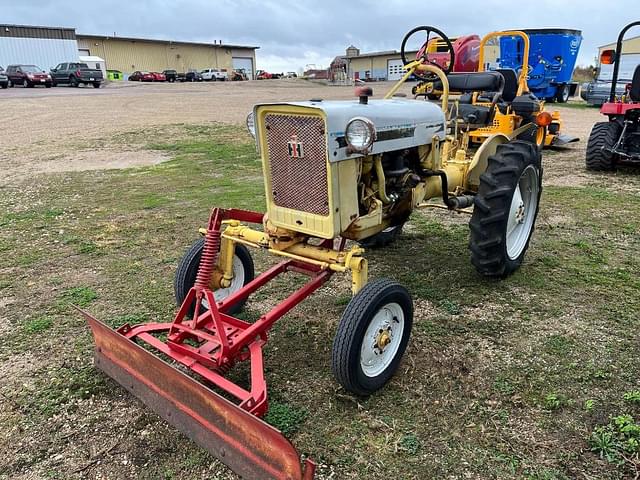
372, 336
187, 272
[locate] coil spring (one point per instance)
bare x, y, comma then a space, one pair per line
208, 259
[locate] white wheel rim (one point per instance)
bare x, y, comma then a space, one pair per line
388, 324
522, 212
237, 282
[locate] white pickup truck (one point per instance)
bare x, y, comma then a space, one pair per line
214, 74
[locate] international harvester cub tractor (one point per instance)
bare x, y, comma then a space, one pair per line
618, 140
336, 173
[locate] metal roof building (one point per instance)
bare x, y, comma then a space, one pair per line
129, 54
44, 47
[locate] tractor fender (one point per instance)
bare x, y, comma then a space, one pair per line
480, 160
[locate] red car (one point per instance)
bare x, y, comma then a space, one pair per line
28, 76
159, 77
138, 76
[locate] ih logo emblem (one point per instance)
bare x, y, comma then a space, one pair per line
296, 149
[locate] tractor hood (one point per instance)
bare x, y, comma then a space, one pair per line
399, 123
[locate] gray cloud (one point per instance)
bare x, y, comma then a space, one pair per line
293, 34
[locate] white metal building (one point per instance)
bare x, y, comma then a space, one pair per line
44, 47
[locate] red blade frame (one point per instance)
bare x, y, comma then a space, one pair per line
242, 441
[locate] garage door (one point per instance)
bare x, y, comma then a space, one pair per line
394, 69
246, 63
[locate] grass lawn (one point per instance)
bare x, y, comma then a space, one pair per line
530, 377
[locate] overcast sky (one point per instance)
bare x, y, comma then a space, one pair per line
294, 34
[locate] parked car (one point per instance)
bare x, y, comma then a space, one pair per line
597, 92
190, 76
4, 80
139, 76
159, 77
76, 74
28, 76
292, 75
170, 75
214, 74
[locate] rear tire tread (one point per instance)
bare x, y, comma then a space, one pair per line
603, 134
487, 242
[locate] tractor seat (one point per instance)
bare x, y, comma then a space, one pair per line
634, 93
466, 82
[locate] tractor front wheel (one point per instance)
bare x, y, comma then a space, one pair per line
506, 208
372, 336
243, 273
603, 137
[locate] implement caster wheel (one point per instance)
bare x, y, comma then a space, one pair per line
372, 336
243, 273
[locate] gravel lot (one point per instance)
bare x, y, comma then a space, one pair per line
67, 129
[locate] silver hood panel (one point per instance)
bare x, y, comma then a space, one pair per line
400, 123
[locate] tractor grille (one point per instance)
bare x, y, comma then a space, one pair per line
298, 162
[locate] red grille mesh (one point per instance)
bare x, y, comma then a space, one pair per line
298, 183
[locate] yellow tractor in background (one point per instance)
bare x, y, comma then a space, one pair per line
503, 113
335, 173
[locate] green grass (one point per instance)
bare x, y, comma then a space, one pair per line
512, 376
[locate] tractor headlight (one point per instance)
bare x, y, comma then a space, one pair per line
360, 134
251, 125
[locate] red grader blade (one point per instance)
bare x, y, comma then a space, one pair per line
207, 343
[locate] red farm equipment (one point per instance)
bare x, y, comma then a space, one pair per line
617, 141
466, 55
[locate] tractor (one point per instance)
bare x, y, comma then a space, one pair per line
617, 141
505, 106
336, 173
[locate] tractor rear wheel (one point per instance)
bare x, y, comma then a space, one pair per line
372, 336
243, 273
506, 208
383, 238
603, 135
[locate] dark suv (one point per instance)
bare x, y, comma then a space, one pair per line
28, 76
171, 75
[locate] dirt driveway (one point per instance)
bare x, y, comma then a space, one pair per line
67, 129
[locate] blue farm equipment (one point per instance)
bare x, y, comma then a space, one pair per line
552, 58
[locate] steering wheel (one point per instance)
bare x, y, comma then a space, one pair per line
422, 53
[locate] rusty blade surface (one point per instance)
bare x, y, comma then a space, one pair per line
246, 444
